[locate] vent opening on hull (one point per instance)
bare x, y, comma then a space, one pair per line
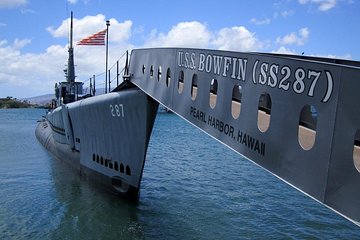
128, 171
121, 168
116, 167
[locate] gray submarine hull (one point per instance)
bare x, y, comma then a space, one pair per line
104, 138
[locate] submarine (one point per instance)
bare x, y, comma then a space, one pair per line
103, 137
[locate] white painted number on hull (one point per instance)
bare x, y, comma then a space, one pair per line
117, 110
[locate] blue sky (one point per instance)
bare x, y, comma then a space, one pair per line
34, 33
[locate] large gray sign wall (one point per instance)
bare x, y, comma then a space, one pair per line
295, 116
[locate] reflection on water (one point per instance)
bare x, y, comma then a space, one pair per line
86, 207
192, 188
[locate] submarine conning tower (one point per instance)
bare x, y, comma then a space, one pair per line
67, 92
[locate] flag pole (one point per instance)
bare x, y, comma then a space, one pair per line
107, 54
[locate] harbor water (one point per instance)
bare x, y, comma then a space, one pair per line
193, 187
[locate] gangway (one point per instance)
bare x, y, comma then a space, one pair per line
295, 116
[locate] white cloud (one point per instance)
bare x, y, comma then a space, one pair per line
2, 24
91, 59
236, 38
25, 11
287, 13
196, 35
39, 72
82, 27
20, 43
184, 34
284, 50
76, 1
260, 22
92, 24
346, 56
29, 70
72, 1
323, 5
12, 3
119, 32
327, 5
298, 38
3, 42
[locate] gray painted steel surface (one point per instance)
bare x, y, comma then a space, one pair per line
285, 87
105, 137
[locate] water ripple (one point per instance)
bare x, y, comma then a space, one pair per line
192, 188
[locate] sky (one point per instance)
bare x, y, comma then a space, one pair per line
34, 33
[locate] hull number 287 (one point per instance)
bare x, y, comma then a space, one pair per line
117, 110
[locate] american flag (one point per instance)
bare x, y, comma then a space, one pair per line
96, 39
